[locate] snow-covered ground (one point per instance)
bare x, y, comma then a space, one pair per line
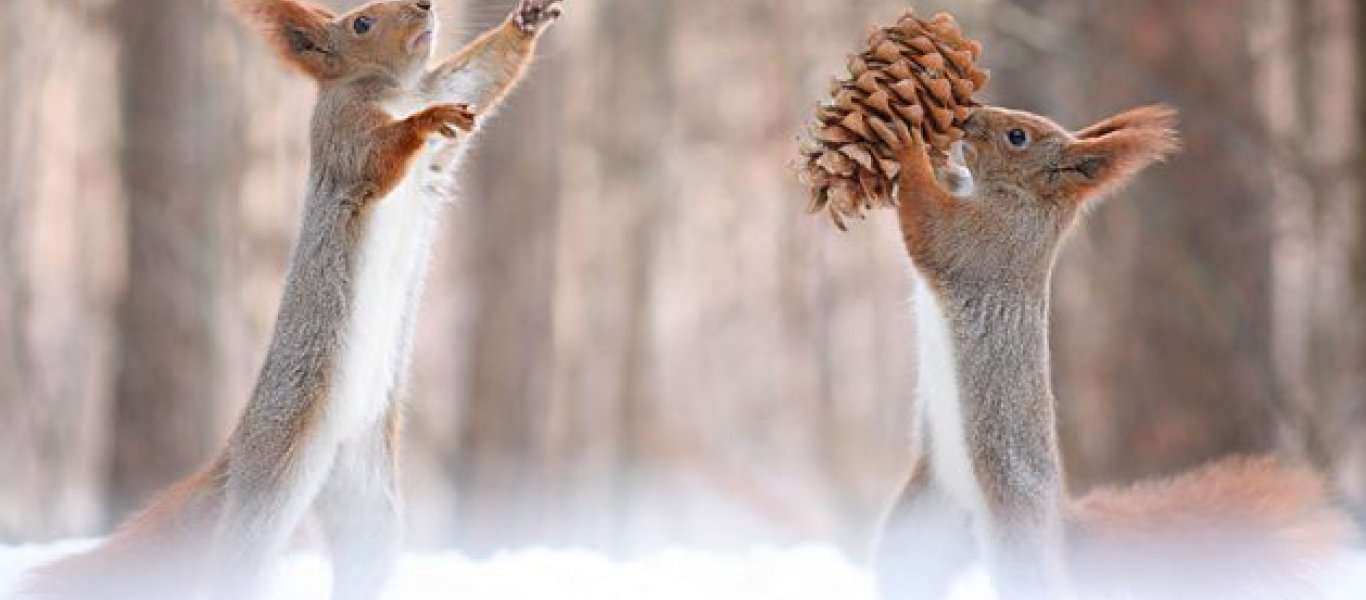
802, 573
537, 574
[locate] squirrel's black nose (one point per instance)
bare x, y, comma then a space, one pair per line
424, 4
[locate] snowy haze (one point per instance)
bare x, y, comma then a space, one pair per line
800, 573
815, 572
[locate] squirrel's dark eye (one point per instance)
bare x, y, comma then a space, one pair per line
362, 25
1017, 137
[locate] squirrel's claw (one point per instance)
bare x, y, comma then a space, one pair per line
449, 120
533, 16
913, 153
464, 117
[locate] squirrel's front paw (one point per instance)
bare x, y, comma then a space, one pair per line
533, 16
911, 151
450, 119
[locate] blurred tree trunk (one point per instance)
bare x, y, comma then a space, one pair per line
1352, 466
601, 402
639, 78
13, 296
500, 469
1163, 341
1323, 151
1310, 111
182, 166
58, 265
16, 186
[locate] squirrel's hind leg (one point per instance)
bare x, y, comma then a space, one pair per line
361, 512
926, 541
274, 476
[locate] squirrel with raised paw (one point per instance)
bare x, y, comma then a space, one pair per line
321, 429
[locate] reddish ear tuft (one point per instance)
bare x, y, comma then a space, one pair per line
1154, 117
1110, 153
298, 31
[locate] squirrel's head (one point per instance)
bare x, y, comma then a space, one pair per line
391, 38
1030, 179
1016, 153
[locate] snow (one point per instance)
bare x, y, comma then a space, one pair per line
541, 574
806, 572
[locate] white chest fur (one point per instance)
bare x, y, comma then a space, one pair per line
939, 400
387, 278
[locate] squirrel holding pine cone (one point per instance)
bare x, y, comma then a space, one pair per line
985, 197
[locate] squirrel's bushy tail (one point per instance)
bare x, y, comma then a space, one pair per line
159, 554
1240, 528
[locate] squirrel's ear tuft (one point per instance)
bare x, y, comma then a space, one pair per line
1107, 155
298, 31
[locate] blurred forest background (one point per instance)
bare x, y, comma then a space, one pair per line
633, 336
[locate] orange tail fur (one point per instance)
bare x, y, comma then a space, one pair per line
1240, 528
159, 554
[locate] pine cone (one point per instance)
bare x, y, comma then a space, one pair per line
914, 75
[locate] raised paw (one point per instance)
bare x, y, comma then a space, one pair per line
912, 142
914, 156
450, 119
533, 16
